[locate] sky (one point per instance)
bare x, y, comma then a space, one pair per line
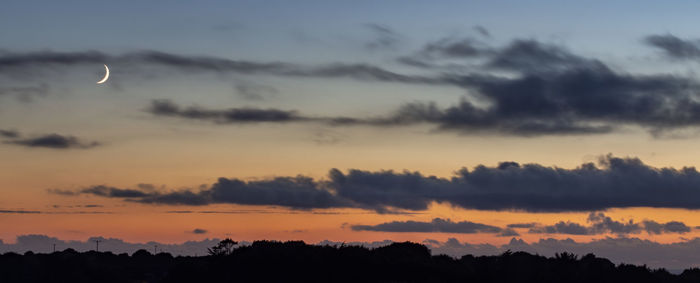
451, 123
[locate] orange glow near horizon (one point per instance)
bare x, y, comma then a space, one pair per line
168, 224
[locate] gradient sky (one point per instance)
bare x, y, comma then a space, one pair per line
272, 95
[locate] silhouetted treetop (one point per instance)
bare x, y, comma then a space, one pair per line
295, 261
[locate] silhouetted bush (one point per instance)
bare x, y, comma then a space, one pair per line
295, 261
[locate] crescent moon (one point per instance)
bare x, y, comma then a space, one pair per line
106, 76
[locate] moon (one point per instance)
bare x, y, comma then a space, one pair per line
106, 76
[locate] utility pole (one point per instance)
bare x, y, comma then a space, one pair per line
155, 249
97, 245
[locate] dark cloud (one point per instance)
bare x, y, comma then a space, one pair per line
105, 191
653, 227
437, 225
582, 101
522, 225
551, 92
9, 133
677, 255
601, 224
296, 192
235, 115
455, 48
2, 211
563, 228
199, 231
525, 88
54, 141
614, 183
675, 47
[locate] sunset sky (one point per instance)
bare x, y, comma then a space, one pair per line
355, 121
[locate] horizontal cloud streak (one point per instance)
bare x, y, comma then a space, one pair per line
437, 225
53, 141
677, 255
133, 60
601, 224
614, 183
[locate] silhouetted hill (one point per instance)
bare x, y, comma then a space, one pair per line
295, 261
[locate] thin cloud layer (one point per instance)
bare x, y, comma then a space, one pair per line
599, 224
437, 225
134, 61
613, 183
602, 224
52, 141
9, 133
679, 255
384, 37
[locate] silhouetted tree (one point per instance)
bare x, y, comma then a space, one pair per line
296, 261
225, 247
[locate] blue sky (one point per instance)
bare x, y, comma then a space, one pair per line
264, 94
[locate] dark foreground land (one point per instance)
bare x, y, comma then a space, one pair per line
266, 261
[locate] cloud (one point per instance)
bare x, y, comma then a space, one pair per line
674, 47
601, 224
522, 225
199, 231
296, 192
437, 225
678, 255
53, 141
653, 227
2, 211
135, 61
234, 115
614, 183
455, 48
548, 91
482, 31
385, 37
523, 88
562, 228
9, 133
